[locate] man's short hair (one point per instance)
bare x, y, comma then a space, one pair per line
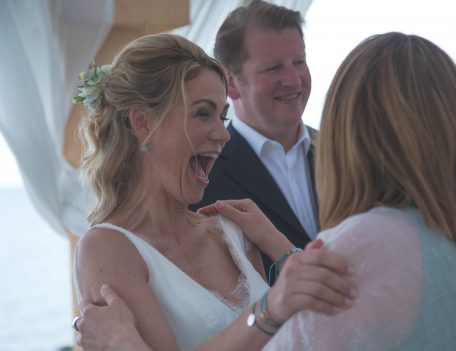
229, 44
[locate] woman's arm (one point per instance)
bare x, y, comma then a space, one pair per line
105, 256
254, 224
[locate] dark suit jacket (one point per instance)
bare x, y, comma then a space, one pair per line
238, 173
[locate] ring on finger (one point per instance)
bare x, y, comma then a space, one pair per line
74, 324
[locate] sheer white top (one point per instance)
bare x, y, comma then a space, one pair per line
406, 276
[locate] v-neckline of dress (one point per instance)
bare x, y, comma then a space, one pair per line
235, 307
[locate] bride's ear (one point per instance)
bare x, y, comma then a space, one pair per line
140, 122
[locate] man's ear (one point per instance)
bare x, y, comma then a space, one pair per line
233, 91
140, 122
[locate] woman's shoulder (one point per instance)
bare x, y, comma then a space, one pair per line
106, 255
377, 235
108, 243
105, 234
385, 222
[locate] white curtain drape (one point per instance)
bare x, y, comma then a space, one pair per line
44, 44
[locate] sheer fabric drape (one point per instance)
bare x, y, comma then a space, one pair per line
44, 45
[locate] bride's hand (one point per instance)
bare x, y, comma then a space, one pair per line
254, 224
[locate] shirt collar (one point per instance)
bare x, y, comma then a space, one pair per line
257, 141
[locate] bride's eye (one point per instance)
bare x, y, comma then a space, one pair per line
203, 113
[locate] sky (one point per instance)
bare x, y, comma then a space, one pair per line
333, 28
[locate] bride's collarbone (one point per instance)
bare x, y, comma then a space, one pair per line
192, 242
205, 259
194, 251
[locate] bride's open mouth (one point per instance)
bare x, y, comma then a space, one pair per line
201, 164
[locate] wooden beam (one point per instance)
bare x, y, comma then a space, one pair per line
132, 19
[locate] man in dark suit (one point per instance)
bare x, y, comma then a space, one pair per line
269, 158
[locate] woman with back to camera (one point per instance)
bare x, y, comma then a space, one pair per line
386, 179
154, 132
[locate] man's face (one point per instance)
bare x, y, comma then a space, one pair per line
272, 90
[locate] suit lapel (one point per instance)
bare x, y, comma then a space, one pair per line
311, 164
311, 155
257, 181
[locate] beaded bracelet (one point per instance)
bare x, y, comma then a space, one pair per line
264, 313
276, 265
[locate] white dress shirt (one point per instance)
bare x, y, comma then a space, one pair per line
289, 170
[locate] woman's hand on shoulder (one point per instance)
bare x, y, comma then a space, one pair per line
253, 223
110, 327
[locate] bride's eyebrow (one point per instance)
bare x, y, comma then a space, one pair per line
207, 101
210, 102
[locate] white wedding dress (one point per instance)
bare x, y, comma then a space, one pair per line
406, 276
194, 313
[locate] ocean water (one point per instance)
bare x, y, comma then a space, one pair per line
35, 279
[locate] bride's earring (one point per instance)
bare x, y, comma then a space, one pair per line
144, 148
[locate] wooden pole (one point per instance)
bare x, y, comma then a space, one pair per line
76, 312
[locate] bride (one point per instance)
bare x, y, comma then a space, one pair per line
153, 133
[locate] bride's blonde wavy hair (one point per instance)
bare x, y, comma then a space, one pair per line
149, 73
388, 132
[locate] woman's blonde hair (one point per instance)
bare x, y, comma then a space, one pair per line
148, 73
388, 132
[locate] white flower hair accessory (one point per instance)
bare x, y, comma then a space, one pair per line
93, 82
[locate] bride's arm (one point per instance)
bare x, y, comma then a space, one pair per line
108, 257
